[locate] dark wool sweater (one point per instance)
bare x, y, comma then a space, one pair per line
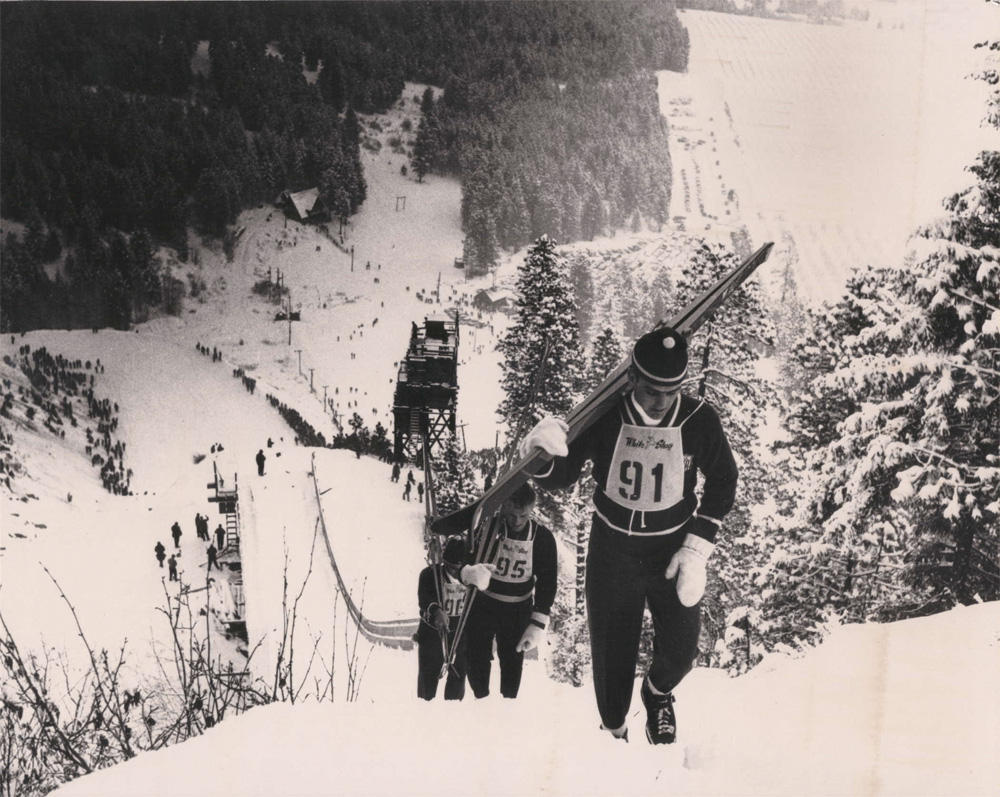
652, 488
526, 567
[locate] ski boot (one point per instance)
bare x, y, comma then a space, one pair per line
661, 724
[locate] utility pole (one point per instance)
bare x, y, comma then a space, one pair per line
299, 352
352, 257
289, 313
311, 381
439, 288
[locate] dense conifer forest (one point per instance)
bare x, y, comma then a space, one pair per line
112, 143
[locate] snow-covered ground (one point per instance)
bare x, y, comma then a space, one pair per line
906, 708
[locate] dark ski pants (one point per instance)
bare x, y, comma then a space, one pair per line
491, 619
624, 574
430, 660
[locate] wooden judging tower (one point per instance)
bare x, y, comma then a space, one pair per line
426, 387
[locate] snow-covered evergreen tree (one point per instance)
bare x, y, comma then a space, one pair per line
723, 358
454, 477
902, 426
544, 312
606, 354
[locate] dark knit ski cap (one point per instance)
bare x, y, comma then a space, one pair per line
454, 551
661, 357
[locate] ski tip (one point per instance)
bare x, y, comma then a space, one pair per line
457, 522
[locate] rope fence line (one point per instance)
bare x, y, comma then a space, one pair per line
391, 633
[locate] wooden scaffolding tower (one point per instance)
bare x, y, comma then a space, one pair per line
426, 388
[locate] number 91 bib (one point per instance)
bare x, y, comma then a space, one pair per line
647, 469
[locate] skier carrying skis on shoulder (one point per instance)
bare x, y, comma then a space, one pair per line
441, 594
651, 535
514, 608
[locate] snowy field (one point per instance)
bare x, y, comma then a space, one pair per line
791, 727
847, 137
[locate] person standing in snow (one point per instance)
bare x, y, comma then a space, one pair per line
514, 608
395, 472
161, 552
175, 531
441, 598
651, 534
212, 560
406, 490
420, 491
172, 567
220, 537
260, 461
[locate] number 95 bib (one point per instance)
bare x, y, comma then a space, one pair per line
647, 469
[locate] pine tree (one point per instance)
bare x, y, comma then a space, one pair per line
360, 435
483, 252
723, 359
423, 150
427, 102
455, 483
544, 312
607, 353
902, 425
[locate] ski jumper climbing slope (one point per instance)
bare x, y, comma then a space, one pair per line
687, 321
479, 519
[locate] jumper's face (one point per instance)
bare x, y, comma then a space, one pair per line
516, 517
654, 400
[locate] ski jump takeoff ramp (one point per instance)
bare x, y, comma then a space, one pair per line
391, 633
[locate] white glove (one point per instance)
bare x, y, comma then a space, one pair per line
688, 567
549, 435
531, 638
477, 576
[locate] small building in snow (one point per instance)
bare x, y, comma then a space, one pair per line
304, 206
494, 299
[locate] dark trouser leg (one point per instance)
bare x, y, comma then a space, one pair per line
676, 628
429, 662
479, 632
615, 603
514, 619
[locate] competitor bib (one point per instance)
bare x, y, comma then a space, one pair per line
514, 560
647, 468
453, 596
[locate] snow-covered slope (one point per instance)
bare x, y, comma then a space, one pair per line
907, 708
844, 136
